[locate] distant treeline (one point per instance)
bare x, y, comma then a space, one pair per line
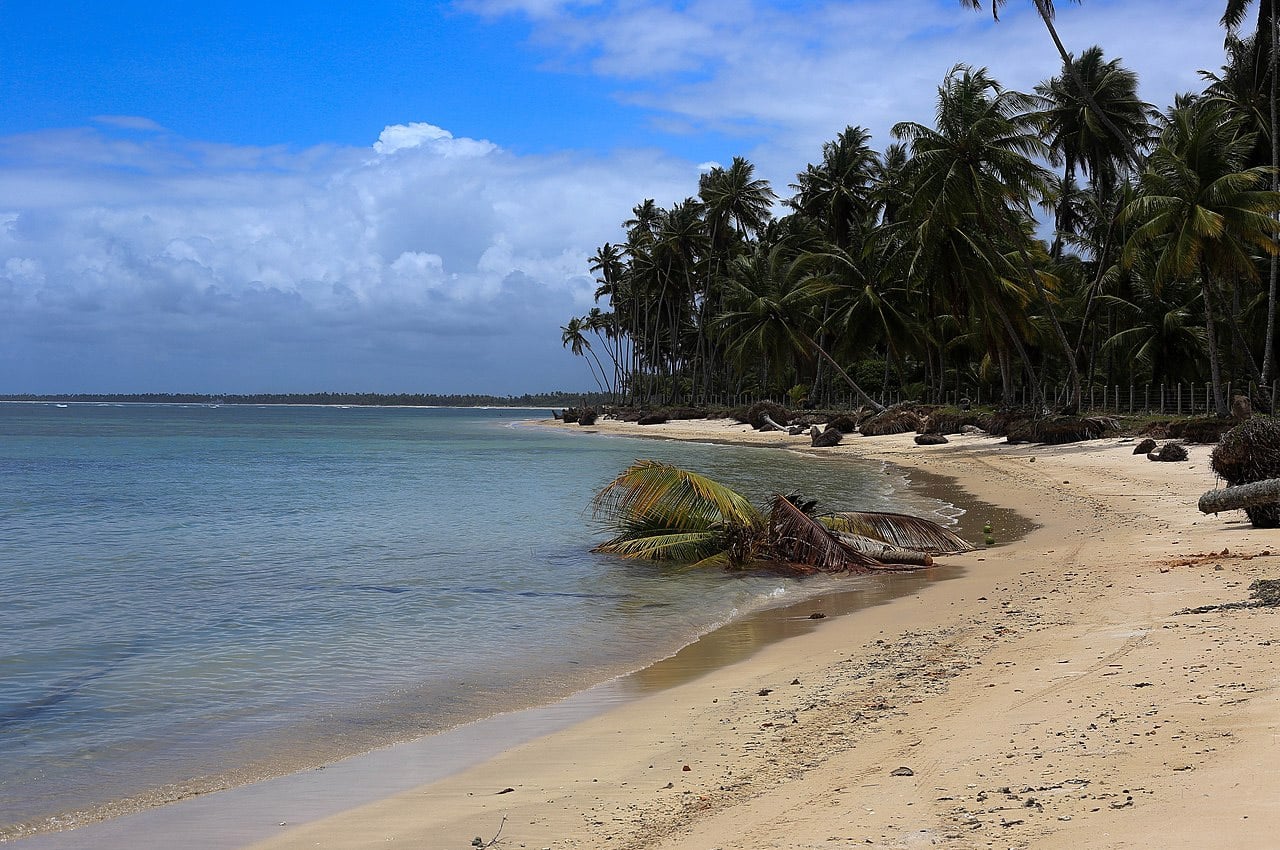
554, 399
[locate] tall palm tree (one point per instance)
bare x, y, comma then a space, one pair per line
736, 206
1265, 40
660, 512
1078, 140
840, 190
1201, 209
973, 180
1044, 8
772, 312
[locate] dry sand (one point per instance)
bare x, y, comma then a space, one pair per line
1049, 697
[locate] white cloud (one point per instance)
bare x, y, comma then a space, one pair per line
415, 261
129, 122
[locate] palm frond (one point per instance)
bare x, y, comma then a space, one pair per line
695, 546
800, 539
898, 530
650, 491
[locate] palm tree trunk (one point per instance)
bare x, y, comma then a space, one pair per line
1067, 350
1211, 340
861, 393
1268, 353
1022, 351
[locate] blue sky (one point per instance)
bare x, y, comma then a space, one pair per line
401, 196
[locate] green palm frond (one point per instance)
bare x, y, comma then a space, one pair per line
700, 547
650, 491
899, 530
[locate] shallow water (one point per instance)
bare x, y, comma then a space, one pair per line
196, 596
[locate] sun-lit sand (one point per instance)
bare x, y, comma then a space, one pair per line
1047, 697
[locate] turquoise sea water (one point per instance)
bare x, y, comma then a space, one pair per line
198, 596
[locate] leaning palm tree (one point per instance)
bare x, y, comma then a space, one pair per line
660, 512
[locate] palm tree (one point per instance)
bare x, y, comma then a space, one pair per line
1076, 138
573, 338
1201, 209
660, 512
839, 191
973, 180
771, 312
1044, 8
1265, 39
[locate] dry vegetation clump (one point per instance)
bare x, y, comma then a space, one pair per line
1057, 430
896, 420
1169, 453
755, 414
844, 423
1247, 453
1201, 430
949, 420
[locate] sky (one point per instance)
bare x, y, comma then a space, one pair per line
387, 196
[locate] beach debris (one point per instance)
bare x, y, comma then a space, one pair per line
1264, 593
506, 791
721, 528
930, 440
1241, 496
902, 771
1057, 430
795, 681
844, 423
1249, 454
1169, 453
479, 841
895, 420
825, 439
765, 416
686, 769
817, 615
1147, 445
655, 418
764, 692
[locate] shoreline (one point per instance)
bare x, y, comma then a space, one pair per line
1047, 696
767, 621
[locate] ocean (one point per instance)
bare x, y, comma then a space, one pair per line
194, 597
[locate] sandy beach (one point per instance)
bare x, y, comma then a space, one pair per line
1046, 694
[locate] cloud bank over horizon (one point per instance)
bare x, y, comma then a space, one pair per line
135, 257
423, 261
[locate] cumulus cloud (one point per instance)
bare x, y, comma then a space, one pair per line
131, 264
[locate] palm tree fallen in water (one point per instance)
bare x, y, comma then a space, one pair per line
660, 512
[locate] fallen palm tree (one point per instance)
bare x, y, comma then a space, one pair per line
1248, 459
660, 512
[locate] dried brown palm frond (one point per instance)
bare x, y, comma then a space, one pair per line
799, 539
899, 530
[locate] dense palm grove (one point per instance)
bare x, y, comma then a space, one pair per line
920, 269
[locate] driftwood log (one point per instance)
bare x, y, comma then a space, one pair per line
768, 420
1241, 496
